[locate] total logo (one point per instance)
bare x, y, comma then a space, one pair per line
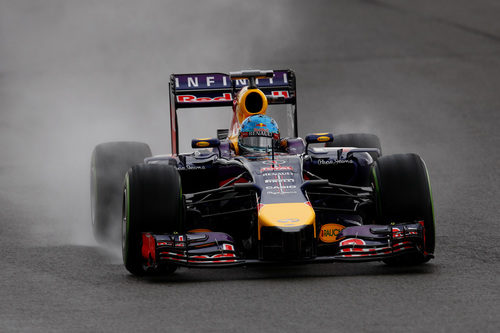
329, 232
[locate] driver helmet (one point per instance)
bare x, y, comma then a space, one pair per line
258, 134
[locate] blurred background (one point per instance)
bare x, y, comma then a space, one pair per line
422, 75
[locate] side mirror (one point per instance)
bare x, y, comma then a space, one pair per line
205, 143
319, 138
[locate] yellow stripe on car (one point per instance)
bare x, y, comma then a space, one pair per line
286, 215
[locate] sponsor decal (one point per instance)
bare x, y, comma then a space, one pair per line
329, 232
282, 192
216, 81
260, 132
352, 242
323, 139
288, 222
280, 180
331, 162
194, 99
351, 245
277, 168
201, 81
273, 162
280, 187
278, 173
202, 144
192, 167
261, 125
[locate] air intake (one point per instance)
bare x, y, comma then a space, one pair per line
253, 102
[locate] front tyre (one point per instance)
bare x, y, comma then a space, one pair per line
152, 202
403, 194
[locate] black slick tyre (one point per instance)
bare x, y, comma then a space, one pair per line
403, 194
358, 140
152, 202
109, 164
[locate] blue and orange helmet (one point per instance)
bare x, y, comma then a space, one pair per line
258, 133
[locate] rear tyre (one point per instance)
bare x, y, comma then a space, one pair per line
359, 140
152, 202
110, 162
403, 194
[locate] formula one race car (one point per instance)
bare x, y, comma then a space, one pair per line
252, 195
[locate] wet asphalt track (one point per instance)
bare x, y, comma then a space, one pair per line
425, 77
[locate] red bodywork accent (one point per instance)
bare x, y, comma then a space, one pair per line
149, 247
423, 226
281, 93
218, 258
241, 180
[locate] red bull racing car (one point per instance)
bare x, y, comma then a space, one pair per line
257, 193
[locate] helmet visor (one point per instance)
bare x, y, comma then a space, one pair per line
256, 142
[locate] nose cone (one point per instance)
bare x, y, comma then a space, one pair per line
288, 217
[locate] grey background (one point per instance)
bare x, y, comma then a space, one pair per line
424, 76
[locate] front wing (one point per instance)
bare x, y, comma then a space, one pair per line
217, 249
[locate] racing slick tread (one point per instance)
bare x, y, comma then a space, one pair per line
152, 203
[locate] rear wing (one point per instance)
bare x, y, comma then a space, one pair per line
201, 90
